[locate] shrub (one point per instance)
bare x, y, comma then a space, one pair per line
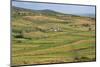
85, 25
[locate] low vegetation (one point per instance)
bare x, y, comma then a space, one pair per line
45, 36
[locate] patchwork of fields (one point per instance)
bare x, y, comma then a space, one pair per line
40, 37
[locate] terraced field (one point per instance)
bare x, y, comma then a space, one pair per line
44, 38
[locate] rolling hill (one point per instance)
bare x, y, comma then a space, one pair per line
47, 36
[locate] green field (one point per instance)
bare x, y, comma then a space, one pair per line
40, 37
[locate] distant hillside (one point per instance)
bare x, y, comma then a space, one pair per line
88, 15
46, 12
42, 12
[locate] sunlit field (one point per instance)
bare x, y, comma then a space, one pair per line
46, 36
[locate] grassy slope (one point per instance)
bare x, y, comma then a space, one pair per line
33, 41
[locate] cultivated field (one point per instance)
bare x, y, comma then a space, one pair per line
40, 37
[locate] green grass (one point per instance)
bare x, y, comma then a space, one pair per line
34, 43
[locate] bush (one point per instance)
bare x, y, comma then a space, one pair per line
84, 58
81, 59
85, 25
18, 36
